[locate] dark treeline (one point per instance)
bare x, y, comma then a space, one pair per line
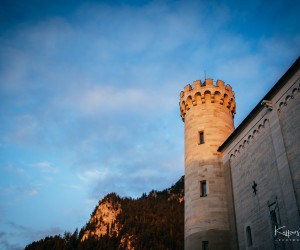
153, 221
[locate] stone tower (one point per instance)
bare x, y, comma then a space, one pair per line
207, 111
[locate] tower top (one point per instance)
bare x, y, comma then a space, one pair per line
206, 93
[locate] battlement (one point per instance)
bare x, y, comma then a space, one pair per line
207, 92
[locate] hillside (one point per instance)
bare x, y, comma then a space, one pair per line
153, 221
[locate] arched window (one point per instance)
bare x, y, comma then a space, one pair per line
203, 188
274, 220
249, 236
201, 137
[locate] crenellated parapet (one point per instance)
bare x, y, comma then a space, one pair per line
207, 92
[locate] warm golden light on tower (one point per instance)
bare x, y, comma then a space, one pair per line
207, 111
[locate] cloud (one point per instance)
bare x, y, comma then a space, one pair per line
21, 233
32, 191
17, 170
17, 226
97, 97
92, 175
280, 46
21, 128
74, 187
26, 190
46, 167
94, 100
100, 92
6, 244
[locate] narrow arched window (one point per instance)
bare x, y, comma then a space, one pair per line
249, 236
201, 137
203, 189
273, 219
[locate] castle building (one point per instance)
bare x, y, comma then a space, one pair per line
242, 186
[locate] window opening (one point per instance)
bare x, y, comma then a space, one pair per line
278, 239
203, 189
249, 236
201, 137
274, 220
204, 245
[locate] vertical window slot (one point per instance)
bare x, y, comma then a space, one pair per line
203, 189
201, 137
249, 236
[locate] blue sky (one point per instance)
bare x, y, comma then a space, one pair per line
89, 96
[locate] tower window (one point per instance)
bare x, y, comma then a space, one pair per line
203, 190
204, 245
274, 220
274, 214
249, 236
201, 137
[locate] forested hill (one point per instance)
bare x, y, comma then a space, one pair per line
153, 221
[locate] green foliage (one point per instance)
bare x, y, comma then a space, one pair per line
153, 221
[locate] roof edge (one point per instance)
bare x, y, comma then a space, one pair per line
272, 92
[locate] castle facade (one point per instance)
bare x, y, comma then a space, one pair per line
242, 186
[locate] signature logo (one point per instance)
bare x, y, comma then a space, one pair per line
290, 235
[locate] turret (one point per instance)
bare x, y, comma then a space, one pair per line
206, 92
207, 110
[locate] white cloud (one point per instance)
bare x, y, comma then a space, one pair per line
93, 100
146, 173
74, 187
101, 93
93, 174
45, 167
32, 191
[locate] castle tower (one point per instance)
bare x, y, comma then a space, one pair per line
207, 111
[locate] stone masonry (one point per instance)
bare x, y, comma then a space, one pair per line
250, 175
206, 109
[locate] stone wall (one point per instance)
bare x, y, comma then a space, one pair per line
265, 168
253, 177
289, 116
209, 109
